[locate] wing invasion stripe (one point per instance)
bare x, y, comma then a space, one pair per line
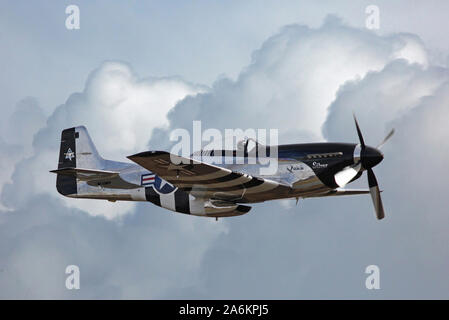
253, 183
232, 176
247, 185
266, 186
214, 184
209, 176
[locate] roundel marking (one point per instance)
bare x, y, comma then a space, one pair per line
162, 186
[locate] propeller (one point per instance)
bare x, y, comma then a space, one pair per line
365, 157
385, 139
343, 177
375, 194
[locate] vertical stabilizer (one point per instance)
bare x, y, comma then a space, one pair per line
77, 151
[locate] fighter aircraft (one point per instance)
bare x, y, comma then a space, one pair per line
199, 186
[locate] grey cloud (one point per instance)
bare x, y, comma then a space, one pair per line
10, 155
17, 137
24, 122
143, 256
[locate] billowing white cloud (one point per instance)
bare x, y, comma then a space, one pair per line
120, 111
294, 77
379, 98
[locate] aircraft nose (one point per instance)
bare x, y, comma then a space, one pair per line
371, 157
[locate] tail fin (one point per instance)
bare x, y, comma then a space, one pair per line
77, 151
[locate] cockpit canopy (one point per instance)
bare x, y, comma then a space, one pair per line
249, 145
245, 147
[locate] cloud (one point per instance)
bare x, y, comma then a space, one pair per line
27, 118
17, 137
129, 108
149, 253
10, 155
303, 81
379, 98
321, 248
120, 111
293, 78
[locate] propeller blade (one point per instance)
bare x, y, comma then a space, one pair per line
362, 142
385, 139
375, 194
343, 177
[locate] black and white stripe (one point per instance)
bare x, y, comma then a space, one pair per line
176, 201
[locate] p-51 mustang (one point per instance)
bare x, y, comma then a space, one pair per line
201, 187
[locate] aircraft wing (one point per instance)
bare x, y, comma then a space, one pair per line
341, 192
192, 175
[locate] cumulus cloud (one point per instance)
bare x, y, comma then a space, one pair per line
303, 81
128, 107
17, 137
379, 98
293, 78
27, 118
120, 111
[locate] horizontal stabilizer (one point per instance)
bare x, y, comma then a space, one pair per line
104, 178
86, 174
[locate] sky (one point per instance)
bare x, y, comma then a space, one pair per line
135, 71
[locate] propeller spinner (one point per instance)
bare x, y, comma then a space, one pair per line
365, 157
